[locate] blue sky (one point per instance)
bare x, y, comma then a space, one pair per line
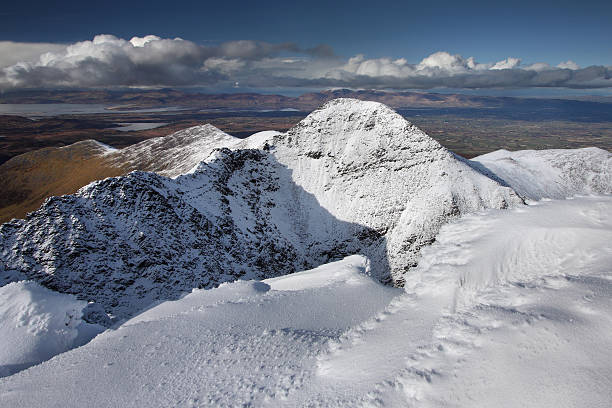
535, 31
532, 31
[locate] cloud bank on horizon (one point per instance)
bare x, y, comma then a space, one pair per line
151, 61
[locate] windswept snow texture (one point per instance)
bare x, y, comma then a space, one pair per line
353, 177
366, 164
243, 343
174, 154
554, 173
513, 319
37, 323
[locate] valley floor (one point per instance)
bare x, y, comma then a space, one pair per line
508, 308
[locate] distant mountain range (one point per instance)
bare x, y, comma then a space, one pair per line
352, 177
163, 98
171, 97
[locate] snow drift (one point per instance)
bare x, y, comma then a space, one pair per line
38, 323
555, 173
468, 330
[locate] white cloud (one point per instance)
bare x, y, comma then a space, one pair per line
359, 65
143, 61
109, 61
142, 41
445, 62
13, 52
569, 64
508, 63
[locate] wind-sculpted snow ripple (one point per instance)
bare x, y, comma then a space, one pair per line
501, 298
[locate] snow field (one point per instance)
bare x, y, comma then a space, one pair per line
506, 308
474, 327
243, 343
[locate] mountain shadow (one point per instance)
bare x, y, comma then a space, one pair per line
125, 243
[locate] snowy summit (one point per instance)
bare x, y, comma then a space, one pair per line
352, 177
417, 264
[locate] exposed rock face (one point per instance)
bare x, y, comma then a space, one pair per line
353, 177
126, 242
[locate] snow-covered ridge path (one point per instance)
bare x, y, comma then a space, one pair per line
507, 308
503, 301
353, 177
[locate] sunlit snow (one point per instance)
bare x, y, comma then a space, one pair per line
507, 308
37, 323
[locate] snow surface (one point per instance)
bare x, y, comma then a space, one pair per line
37, 323
258, 140
352, 177
174, 154
507, 308
244, 342
554, 173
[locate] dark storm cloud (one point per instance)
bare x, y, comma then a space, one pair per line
253, 50
321, 51
514, 78
108, 61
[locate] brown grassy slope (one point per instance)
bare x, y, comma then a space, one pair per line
19, 135
26, 180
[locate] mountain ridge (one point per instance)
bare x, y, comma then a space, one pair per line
353, 177
31, 177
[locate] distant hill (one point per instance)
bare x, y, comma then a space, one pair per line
170, 97
28, 179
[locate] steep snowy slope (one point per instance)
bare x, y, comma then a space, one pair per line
353, 177
366, 164
554, 173
489, 319
174, 154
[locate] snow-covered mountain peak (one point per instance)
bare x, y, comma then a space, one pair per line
198, 132
353, 177
357, 134
365, 164
357, 112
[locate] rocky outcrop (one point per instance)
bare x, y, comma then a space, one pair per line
353, 177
